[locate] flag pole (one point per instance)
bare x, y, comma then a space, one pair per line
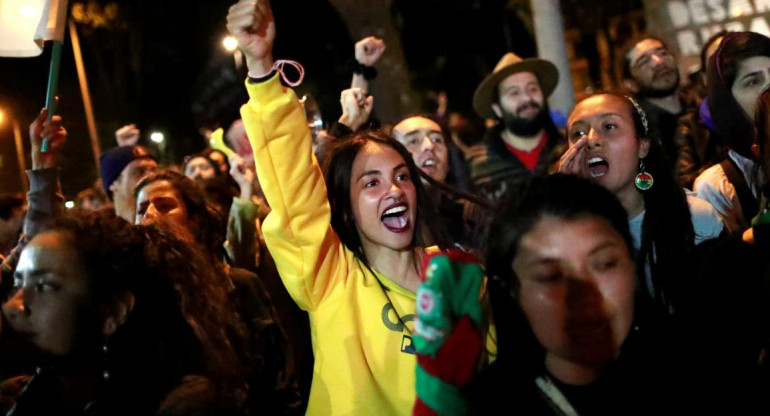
53, 86
92, 132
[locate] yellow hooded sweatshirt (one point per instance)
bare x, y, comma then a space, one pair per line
364, 357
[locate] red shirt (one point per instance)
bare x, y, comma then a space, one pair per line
529, 159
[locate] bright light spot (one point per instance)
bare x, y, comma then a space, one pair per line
157, 137
2, 117
28, 11
230, 43
69, 204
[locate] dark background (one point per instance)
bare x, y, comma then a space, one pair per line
160, 64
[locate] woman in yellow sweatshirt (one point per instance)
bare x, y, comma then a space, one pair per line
350, 259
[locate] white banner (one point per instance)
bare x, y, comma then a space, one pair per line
686, 24
25, 24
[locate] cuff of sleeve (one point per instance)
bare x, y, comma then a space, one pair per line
247, 208
264, 92
259, 79
40, 179
339, 130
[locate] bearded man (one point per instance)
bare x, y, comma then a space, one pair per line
650, 73
525, 140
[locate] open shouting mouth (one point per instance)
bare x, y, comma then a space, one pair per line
396, 218
597, 166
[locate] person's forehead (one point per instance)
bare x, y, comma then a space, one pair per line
645, 47
44, 251
137, 164
157, 189
519, 79
416, 124
375, 156
757, 63
199, 161
600, 106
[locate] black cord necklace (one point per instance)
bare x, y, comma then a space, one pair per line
392, 306
385, 292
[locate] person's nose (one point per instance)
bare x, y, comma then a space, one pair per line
656, 60
427, 144
150, 214
592, 139
529, 95
582, 291
16, 308
395, 191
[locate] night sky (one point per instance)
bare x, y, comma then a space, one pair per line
160, 64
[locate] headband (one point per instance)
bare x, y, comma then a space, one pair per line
641, 113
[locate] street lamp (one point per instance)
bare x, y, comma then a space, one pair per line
157, 137
160, 140
230, 43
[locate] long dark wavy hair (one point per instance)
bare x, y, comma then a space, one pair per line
181, 323
561, 196
338, 182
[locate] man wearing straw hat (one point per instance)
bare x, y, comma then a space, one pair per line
525, 140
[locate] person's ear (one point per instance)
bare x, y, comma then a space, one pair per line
118, 312
631, 85
755, 151
115, 186
644, 148
497, 110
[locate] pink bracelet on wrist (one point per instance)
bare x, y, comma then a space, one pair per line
278, 66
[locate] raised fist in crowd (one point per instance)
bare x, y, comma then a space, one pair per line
44, 129
356, 107
251, 23
369, 50
127, 135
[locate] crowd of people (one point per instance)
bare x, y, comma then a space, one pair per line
612, 265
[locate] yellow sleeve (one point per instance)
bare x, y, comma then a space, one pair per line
308, 254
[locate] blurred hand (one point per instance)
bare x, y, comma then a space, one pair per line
573, 160
51, 130
242, 175
127, 135
369, 50
251, 23
356, 107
